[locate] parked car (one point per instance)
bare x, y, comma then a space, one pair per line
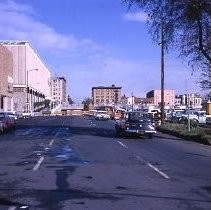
176, 115
135, 123
119, 114
27, 114
195, 116
13, 114
102, 115
7, 122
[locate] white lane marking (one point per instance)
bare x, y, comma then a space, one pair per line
58, 131
52, 141
12, 208
122, 144
153, 167
38, 164
36, 167
157, 170
140, 159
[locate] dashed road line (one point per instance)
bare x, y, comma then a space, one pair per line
122, 144
153, 167
51, 143
36, 167
159, 171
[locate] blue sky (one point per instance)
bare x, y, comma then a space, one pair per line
93, 43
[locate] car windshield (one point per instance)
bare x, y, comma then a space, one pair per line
2, 115
138, 117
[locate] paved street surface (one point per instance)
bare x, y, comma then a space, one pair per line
74, 162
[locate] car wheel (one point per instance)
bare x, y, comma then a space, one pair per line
2, 130
118, 133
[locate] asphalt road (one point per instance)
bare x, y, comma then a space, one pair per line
72, 162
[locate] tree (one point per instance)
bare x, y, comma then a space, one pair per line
70, 101
186, 25
86, 102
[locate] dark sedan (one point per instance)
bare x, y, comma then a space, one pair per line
135, 123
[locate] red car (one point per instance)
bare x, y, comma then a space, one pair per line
6, 122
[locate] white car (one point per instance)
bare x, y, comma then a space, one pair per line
28, 114
102, 115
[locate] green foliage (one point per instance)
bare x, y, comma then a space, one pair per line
40, 105
186, 25
70, 101
87, 101
199, 134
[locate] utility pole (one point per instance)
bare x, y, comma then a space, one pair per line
132, 102
162, 73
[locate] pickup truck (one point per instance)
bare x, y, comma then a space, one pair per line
197, 116
135, 123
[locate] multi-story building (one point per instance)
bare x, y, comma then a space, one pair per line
136, 100
192, 100
31, 77
106, 95
169, 97
6, 79
59, 90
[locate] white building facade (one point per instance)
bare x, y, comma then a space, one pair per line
192, 100
31, 77
59, 90
6, 79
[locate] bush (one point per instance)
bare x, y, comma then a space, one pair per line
197, 133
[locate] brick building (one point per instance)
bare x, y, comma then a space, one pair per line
155, 96
106, 95
6, 79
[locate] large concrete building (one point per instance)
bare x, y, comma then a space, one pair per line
59, 90
155, 96
106, 95
6, 79
31, 77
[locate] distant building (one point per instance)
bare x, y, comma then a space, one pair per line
106, 95
123, 99
192, 100
155, 96
6, 79
59, 90
31, 78
135, 100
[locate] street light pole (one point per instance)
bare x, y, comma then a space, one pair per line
162, 74
132, 102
